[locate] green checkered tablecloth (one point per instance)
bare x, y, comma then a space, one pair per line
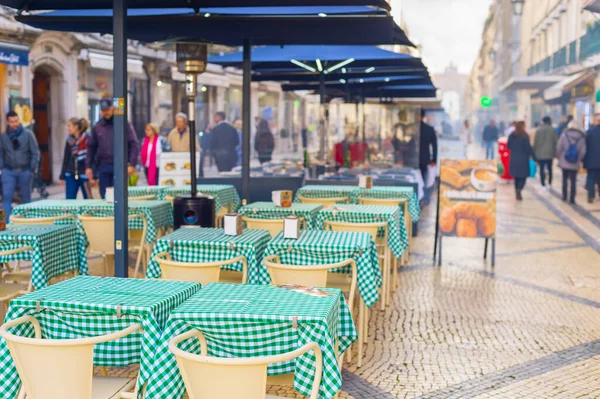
326, 192
268, 210
141, 191
354, 192
91, 306
326, 247
384, 192
225, 195
57, 249
159, 214
195, 244
397, 235
258, 320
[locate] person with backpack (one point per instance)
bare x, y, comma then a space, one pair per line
570, 151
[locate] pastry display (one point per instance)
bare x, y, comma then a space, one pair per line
170, 166
468, 219
187, 166
452, 177
168, 182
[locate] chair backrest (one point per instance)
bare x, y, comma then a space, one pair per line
273, 225
55, 369
198, 272
308, 275
324, 201
382, 201
208, 377
100, 232
371, 228
19, 219
143, 198
170, 198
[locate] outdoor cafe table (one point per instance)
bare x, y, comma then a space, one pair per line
159, 214
268, 210
225, 195
355, 192
195, 244
141, 191
90, 306
258, 320
326, 247
392, 215
57, 249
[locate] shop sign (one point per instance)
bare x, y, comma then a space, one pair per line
467, 198
581, 91
14, 57
598, 96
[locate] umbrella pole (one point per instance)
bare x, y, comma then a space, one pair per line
120, 137
322, 132
364, 118
246, 95
192, 91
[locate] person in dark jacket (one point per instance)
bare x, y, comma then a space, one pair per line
520, 154
264, 142
223, 141
563, 125
19, 158
72, 173
427, 152
101, 148
570, 161
490, 137
592, 158
544, 149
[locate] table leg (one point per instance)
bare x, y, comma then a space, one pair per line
384, 278
390, 277
366, 329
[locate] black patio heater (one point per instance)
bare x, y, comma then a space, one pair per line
195, 210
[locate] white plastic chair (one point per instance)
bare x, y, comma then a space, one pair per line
62, 368
324, 201
208, 377
198, 272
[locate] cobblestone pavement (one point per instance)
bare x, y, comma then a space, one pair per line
528, 328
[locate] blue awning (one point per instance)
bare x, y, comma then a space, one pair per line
14, 54
407, 81
107, 4
275, 26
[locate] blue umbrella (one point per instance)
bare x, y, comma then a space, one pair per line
366, 83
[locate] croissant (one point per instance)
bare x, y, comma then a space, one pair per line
452, 177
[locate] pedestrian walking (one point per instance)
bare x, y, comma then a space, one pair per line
467, 135
100, 152
223, 142
72, 174
150, 154
563, 124
592, 158
490, 137
264, 142
428, 149
544, 149
179, 137
238, 150
19, 158
520, 155
570, 151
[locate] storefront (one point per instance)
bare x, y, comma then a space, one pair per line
582, 104
14, 59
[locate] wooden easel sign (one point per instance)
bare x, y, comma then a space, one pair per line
466, 202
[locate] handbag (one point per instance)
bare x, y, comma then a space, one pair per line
532, 168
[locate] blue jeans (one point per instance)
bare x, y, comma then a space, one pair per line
73, 185
106, 177
489, 149
10, 180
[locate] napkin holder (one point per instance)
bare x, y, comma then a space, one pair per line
282, 198
291, 227
365, 181
109, 196
232, 224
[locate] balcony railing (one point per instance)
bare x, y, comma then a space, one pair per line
589, 45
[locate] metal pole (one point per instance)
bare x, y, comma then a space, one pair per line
191, 91
246, 127
322, 137
364, 118
120, 135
